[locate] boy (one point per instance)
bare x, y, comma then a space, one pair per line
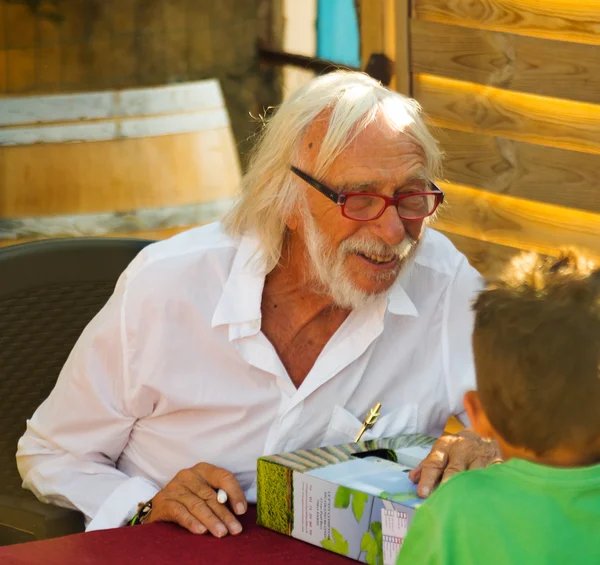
536, 344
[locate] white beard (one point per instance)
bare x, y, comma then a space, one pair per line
329, 273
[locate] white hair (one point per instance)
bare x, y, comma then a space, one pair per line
269, 193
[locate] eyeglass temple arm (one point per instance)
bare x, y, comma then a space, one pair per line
438, 189
331, 194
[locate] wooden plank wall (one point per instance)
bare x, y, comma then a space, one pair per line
512, 89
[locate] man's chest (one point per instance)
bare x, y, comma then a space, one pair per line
298, 346
223, 380
229, 401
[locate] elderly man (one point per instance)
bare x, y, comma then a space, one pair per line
321, 293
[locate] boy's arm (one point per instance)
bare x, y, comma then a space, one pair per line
423, 544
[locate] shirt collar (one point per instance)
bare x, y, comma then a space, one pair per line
399, 302
240, 302
241, 299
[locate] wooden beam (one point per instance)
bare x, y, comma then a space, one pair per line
402, 48
566, 20
538, 66
470, 107
157, 234
523, 170
372, 15
377, 31
518, 223
488, 258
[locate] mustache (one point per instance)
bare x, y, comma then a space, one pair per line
364, 246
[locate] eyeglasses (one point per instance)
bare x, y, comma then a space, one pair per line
366, 206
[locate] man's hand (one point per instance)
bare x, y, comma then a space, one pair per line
450, 455
190, 500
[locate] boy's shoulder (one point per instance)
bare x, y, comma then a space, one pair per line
473, 490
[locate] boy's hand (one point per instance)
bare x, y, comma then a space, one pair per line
450, 455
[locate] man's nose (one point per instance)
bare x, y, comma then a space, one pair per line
389, 227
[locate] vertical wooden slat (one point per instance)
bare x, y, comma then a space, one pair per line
3, 71
371, 29
48, 72
402, 58
2, 26
20, 70
378, 30
389, 29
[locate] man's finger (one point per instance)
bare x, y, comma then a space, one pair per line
415, 474
225, 515
209, 496
450, 471
479, 463
218, 478
433, 469
201, 511
201, 501
176, 511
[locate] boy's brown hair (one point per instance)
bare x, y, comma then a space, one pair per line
536, 344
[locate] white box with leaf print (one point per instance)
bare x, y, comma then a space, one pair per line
353, 499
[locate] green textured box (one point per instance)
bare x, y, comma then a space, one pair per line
353, 499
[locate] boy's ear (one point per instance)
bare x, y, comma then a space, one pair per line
477, 416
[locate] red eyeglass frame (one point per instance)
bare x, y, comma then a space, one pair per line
341, 198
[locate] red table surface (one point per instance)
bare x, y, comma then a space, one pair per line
165, 544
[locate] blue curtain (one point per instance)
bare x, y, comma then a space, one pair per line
337, 32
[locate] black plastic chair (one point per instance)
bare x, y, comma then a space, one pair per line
49, 291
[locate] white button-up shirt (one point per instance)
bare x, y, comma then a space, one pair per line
174, 370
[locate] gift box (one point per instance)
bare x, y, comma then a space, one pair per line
353, 499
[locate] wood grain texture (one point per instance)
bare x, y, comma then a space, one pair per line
567, 20
539, 66
118, 175
142, 234
378, 31
488, 258
471, 107
371, 28
402, 56
518, 223
523, 170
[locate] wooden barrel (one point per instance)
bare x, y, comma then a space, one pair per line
125, 161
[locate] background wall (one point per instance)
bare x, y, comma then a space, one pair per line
513, 87
49, 46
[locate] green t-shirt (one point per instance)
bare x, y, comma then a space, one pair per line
517, 512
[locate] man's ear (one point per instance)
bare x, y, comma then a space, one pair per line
293, 221
477, 416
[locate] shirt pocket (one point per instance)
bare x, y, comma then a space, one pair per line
344, 426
